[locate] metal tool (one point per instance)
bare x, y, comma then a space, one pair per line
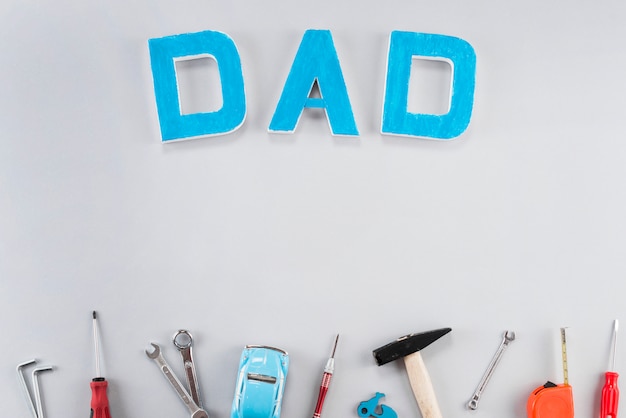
35, 406
507, 338
409, 348
183, 341
29, 399
194, 409
36, 389
326, 377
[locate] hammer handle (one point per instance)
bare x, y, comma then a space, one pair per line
422, 386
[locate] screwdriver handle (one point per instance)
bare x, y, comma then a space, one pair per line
99, 400
610, 396
322, 395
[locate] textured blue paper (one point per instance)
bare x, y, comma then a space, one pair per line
164, 52
403, 46
316, 60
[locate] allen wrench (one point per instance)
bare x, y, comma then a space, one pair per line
36, 406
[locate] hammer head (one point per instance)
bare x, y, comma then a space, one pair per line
406, 345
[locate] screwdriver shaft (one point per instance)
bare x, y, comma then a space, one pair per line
96, 343
615, 326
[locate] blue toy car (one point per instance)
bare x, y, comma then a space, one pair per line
260, 383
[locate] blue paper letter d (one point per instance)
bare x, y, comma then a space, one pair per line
163, 54
403, 46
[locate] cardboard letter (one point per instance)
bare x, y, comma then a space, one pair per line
163, 54
403, 46
315, 61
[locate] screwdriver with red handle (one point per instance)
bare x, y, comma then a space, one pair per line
328, 374
610, 391
99, 399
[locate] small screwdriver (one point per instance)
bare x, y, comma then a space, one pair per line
328, 374
610, 391
99, 400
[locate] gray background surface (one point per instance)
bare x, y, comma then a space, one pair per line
286, 240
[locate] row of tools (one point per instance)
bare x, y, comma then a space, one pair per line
550, 400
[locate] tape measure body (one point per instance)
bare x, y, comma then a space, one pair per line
551, 401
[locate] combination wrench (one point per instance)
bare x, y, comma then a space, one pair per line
508, 337
183, 341
194, 409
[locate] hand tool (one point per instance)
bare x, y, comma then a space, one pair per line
508, 337
29, 399
552, 400
326, 377
409, 347
610, 391
99, 399
194, 410
36, 389
183, 341
35, 406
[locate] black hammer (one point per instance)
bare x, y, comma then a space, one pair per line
408, 347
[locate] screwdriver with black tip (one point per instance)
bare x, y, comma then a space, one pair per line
610, 391
326, 377
99, 399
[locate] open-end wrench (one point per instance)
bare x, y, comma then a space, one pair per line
508, 337
183, 341
194, 409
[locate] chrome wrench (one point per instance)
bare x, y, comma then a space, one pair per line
508, 337
183, 341
194, 409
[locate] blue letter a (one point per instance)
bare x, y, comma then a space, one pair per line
316, 60
164, 52
403, 46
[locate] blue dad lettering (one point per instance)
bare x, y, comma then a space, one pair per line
315, 62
